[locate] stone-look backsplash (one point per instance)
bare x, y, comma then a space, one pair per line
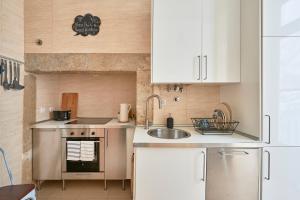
100, 94
195, 101
81, 62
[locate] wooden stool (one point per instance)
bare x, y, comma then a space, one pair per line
18, 192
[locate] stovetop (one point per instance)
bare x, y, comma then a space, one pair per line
91, 121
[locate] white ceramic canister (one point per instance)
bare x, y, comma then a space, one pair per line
124, 111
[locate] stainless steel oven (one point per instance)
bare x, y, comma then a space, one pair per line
83, 169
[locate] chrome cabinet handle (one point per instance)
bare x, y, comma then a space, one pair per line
106, 138
199, 73
232, 153
204, 167
269, 165
205, 58
269, 129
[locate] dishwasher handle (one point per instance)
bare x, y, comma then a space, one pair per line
233, 153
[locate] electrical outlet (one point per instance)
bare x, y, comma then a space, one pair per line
164, 102
51, 109
42, 109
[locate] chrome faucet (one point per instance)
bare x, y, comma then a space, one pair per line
159, 106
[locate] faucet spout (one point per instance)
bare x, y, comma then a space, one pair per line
159, 106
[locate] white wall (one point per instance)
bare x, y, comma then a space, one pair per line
244, 98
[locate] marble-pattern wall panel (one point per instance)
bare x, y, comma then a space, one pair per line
194, 101
40, 63
29, 117
143, 90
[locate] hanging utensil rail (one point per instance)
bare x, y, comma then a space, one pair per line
11, 59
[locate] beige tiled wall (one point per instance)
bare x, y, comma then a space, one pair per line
99, 94
11, 102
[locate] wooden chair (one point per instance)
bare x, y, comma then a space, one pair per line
16, 192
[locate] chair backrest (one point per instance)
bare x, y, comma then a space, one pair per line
6, 166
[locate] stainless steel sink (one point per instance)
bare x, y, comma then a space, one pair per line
165, 133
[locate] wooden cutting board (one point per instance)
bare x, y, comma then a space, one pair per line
70, 102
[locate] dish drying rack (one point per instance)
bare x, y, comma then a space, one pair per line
209, 126
220, 123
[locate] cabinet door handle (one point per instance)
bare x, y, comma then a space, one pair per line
106, 138
269, 165
204, 167
199, 67
205, 58
269, 129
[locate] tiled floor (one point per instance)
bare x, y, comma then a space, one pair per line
84, 190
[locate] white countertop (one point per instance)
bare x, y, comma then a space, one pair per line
114, 123
142, 139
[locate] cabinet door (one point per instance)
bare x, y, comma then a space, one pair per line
176, 41
221, 41
281, 91
281, 17
115, 154
281, 173
170, 173
46, 153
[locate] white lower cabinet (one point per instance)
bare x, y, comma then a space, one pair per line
281, 173
170, 173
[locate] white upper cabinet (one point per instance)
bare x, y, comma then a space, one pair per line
176, 40
281, 18
281, 91
195, 41
221, 41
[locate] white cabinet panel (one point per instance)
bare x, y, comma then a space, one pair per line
281, 18
281, 91
281, 173
170, 173
176, 40
221, 41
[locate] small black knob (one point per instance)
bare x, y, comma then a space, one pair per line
93, 133
72, 133
82, 133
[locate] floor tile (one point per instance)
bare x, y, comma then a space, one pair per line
84, 190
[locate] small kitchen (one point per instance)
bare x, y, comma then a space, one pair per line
149, 99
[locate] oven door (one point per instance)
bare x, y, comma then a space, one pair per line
96, 165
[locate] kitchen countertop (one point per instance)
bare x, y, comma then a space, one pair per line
142, 139
62, 124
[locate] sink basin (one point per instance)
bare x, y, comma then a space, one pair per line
165, 133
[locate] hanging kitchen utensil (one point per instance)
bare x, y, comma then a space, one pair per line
18, 85
1, 71
10, 75
5, 82
14, 82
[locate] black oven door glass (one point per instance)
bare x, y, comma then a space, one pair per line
85, 166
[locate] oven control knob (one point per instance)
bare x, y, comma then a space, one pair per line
93, 133
72, 133
82, 133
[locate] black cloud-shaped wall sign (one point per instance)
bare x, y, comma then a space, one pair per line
86, 25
